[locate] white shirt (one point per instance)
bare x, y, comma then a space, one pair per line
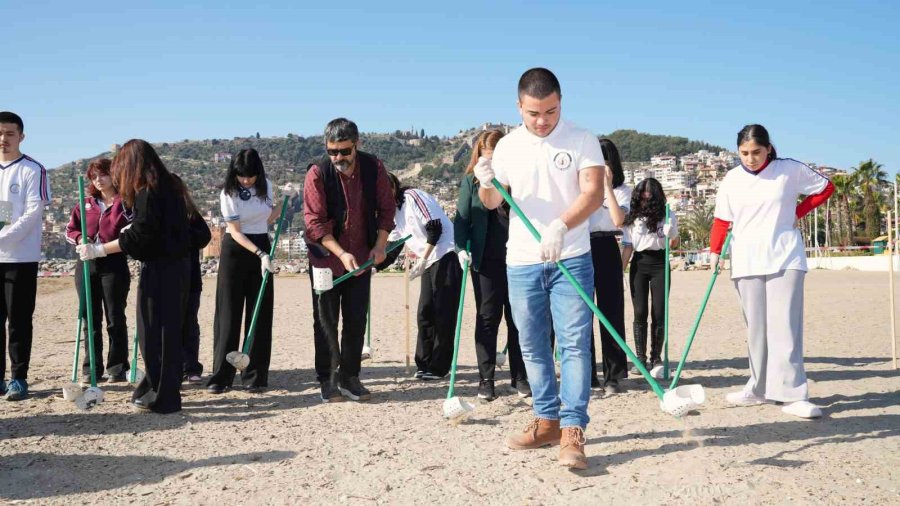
418, 209
762, 209
643, 239
253, 214
600, 220
542, 175
24, 183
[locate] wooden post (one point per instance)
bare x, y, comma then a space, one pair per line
891, 274
406, 303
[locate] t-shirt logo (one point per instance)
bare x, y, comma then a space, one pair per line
14, 188
562, 160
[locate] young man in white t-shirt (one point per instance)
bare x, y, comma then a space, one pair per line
555, 173
24, 191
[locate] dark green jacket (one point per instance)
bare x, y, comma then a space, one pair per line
471, 221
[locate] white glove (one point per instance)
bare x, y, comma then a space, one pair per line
552, 240
417, 268
667, 230
713, 260
266, 264
90, 251
483, 170
464, 258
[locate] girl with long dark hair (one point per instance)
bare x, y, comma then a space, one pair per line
645, 234
159, 238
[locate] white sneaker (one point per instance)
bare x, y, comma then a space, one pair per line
745, 398
803, 409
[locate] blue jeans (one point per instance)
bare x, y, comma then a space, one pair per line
535, 293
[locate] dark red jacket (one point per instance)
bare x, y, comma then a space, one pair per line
108, 224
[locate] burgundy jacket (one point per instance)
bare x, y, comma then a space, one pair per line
106, 225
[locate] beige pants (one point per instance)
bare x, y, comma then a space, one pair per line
773, 310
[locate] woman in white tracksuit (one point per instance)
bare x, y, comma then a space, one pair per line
758, 199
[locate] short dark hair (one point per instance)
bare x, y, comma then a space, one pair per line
11, 117
539, 83
757, 134
341, 129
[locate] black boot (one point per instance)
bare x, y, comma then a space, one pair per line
656, 345
640, 345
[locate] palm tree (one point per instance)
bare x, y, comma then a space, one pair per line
870, 179
698, 223
843, 189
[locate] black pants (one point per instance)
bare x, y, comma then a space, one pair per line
348, 300
611, 301
492, 302
237, 287
110, 284
647, 278
190, 344
438, 305
161, 303
17, 306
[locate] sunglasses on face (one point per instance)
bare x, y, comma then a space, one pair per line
342, 152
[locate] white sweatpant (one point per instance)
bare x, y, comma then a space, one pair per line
773, 310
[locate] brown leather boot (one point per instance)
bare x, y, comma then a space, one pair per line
571, 448
538, 433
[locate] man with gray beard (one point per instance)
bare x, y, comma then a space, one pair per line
349, 210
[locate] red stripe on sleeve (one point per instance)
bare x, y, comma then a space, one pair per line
717, 235
813, 201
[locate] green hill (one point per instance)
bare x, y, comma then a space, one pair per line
637, 146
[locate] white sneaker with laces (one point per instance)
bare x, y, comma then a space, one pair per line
802, 409
745, 398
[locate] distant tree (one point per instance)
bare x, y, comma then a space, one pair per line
422, 134
869, 180
697, 224
257, 135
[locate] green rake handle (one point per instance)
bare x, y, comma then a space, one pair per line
77, 346
86, 271
459, 317
690, 341
368, 263
248, 341
134, 357
666, 298
584, 296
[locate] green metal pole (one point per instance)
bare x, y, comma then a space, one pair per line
248, 342
134, 357
584, 296
459, 317
77, 345
666, 299
366, 265
86, 272
690, 341
369, 321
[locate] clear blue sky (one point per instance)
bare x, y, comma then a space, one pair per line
822, 76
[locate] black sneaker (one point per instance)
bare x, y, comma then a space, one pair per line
352, 389
216, 389
486, 390
634, 370
595, 383
330, 392
418, 375
523, 388
430, 376
612, 387
117, 378
254, 389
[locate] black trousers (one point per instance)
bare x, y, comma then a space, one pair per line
237, 287
348, 300
190, 343
17, 308
492, 302
610, 295
438, 305
647, 279
161, 303
110, 284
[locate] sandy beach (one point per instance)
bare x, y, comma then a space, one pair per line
286, 447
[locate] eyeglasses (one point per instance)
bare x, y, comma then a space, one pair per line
342, 152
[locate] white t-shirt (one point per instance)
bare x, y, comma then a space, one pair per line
762, 209
643, 239
418, 209
24, 183
600, 220
252, 214
542, 175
